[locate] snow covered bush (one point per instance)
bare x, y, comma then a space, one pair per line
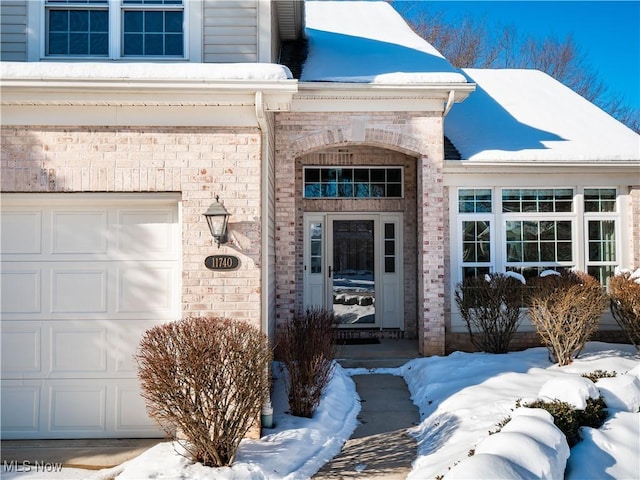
206, 379
565, 310
529, 446
569, 419
491, 308
624, 296
574, 402
307, 349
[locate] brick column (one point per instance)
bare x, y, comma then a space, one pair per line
431, 250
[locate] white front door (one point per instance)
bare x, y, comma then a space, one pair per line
353, 265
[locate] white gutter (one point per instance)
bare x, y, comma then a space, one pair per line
263, 125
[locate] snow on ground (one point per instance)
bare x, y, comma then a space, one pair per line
461, 397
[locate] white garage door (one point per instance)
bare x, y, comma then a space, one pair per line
83, 276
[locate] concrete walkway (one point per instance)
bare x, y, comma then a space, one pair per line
380, 447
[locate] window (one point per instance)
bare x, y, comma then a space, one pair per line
475, 204
77, 28
389, 248
600, 224
115, 28
337, 182
539, 229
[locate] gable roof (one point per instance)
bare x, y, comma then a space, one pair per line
369, 42
526, 115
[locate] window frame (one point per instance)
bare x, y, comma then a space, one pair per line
353, 182
191, 28
613, 216
475, 216
498, 219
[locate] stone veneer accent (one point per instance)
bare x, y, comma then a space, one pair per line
418, 135
198, 163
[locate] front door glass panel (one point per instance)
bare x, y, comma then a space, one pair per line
353, 276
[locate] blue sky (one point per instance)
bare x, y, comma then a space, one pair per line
608, 32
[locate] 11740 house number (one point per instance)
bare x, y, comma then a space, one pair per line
222, 262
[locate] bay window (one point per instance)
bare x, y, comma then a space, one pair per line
539, 229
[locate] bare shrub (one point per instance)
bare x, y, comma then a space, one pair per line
566, 311
491, 308
307, 348
206, 378
624, 296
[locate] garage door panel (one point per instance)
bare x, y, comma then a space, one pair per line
131, 413
21, 289
125, 344
79, 232
144, 288
145, 232
21, 232
79, 290
20, 408
21, 346
78, 350
77, 408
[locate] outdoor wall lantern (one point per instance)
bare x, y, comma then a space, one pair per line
217, 218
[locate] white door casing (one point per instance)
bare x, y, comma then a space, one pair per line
388, 258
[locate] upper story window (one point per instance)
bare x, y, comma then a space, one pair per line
115, 28
356, 182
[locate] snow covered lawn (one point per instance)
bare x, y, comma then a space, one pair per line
461, 398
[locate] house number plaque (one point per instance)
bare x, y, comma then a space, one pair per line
222, 262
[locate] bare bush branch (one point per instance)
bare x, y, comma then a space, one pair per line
566, 311
205, 378
491, 310
624, 296
307, 348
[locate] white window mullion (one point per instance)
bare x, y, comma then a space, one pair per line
115, 29
581, 235
500, 243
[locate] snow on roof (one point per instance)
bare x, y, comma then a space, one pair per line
526, 115
143, 71
369, 42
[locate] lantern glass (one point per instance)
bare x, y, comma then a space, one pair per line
217, 218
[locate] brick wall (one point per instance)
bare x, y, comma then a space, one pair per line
197, 162
416, 135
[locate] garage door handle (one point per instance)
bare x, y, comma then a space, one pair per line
329, 272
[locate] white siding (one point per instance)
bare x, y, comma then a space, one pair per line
230, 31
13, 30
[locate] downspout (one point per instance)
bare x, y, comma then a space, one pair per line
449, 104
267, 410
